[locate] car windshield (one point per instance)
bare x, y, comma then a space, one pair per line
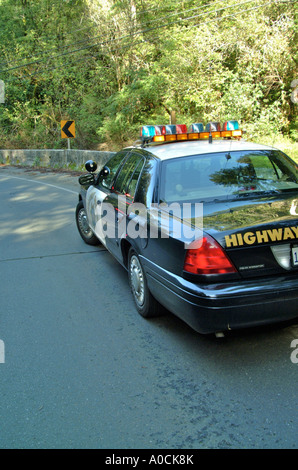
227, 175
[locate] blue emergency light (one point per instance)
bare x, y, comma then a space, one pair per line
196, 127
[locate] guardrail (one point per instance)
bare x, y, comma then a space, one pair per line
53, 158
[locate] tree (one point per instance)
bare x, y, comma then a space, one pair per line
114, 65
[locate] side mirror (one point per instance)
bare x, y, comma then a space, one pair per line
90, 166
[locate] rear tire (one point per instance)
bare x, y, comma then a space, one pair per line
83, 226
146, 304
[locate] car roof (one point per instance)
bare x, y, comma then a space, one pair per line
186, 148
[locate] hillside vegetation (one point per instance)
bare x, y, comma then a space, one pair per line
113, 66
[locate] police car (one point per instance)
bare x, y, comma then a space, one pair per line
205, 223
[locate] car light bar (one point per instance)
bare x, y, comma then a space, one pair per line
196, 131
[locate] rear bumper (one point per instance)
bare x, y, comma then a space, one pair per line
209, 308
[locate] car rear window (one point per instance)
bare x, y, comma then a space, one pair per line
226, 175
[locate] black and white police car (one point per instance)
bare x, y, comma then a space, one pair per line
205, 223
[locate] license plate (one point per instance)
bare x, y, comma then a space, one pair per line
295, 256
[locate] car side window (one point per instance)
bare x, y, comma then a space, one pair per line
132, 185
128, 176
113, 164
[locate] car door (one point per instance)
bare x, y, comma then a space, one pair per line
98, 193
121, 198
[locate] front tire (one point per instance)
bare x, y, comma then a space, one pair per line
146, 304
83, 226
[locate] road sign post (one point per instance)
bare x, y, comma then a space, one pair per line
2, 92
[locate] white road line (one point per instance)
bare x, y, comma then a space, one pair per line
58, 255
40, 182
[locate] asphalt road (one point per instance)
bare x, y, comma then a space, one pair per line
83, 370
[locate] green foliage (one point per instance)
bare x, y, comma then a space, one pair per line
113, 66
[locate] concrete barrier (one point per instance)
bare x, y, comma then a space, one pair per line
53, 158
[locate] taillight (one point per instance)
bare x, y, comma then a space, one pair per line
206, 256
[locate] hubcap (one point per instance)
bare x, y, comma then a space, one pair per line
137, 280
83, 223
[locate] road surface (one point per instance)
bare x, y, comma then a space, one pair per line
83, 370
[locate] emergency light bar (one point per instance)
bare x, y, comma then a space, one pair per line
196, 131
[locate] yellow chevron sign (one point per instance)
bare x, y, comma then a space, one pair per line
68, 130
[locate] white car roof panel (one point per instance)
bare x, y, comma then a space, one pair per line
183, 149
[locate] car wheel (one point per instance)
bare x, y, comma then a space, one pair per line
146, 304
83, 226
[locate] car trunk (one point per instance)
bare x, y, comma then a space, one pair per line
259, 235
